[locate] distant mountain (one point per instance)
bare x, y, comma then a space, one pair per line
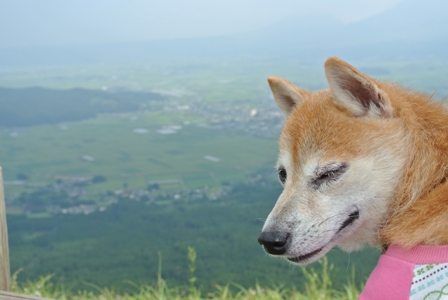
299, 29
414, 20
413, 29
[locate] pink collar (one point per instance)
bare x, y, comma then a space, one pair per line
419, 254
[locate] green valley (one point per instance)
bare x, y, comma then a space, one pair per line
120, 163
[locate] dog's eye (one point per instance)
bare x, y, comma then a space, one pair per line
282, 175
329, 174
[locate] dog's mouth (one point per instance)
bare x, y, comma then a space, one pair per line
302, 258
350, 219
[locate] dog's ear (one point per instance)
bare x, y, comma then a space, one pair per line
286, 94
355, 91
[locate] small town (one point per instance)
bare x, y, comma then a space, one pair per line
71, 197
264, 120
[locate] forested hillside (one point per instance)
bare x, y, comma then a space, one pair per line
36, 106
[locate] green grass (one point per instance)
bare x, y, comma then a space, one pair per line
316, 286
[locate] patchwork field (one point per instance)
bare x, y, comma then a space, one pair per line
129, 148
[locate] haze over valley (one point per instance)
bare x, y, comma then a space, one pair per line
132, 130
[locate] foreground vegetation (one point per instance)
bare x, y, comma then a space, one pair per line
316, 285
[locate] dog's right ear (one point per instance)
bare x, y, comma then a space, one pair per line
355, 91
286, 94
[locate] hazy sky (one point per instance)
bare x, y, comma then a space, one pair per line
75, 22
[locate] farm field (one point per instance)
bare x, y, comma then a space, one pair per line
130, 148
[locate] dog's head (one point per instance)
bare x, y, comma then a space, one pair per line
341, 157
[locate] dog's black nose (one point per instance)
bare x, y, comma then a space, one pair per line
274, 242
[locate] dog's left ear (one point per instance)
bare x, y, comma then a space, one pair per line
355, 91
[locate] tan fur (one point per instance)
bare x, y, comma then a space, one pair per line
397, 128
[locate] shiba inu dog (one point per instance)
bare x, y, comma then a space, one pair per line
364, 162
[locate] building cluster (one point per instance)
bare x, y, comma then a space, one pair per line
263, 121
70, 196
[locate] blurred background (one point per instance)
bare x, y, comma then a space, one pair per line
131, 130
